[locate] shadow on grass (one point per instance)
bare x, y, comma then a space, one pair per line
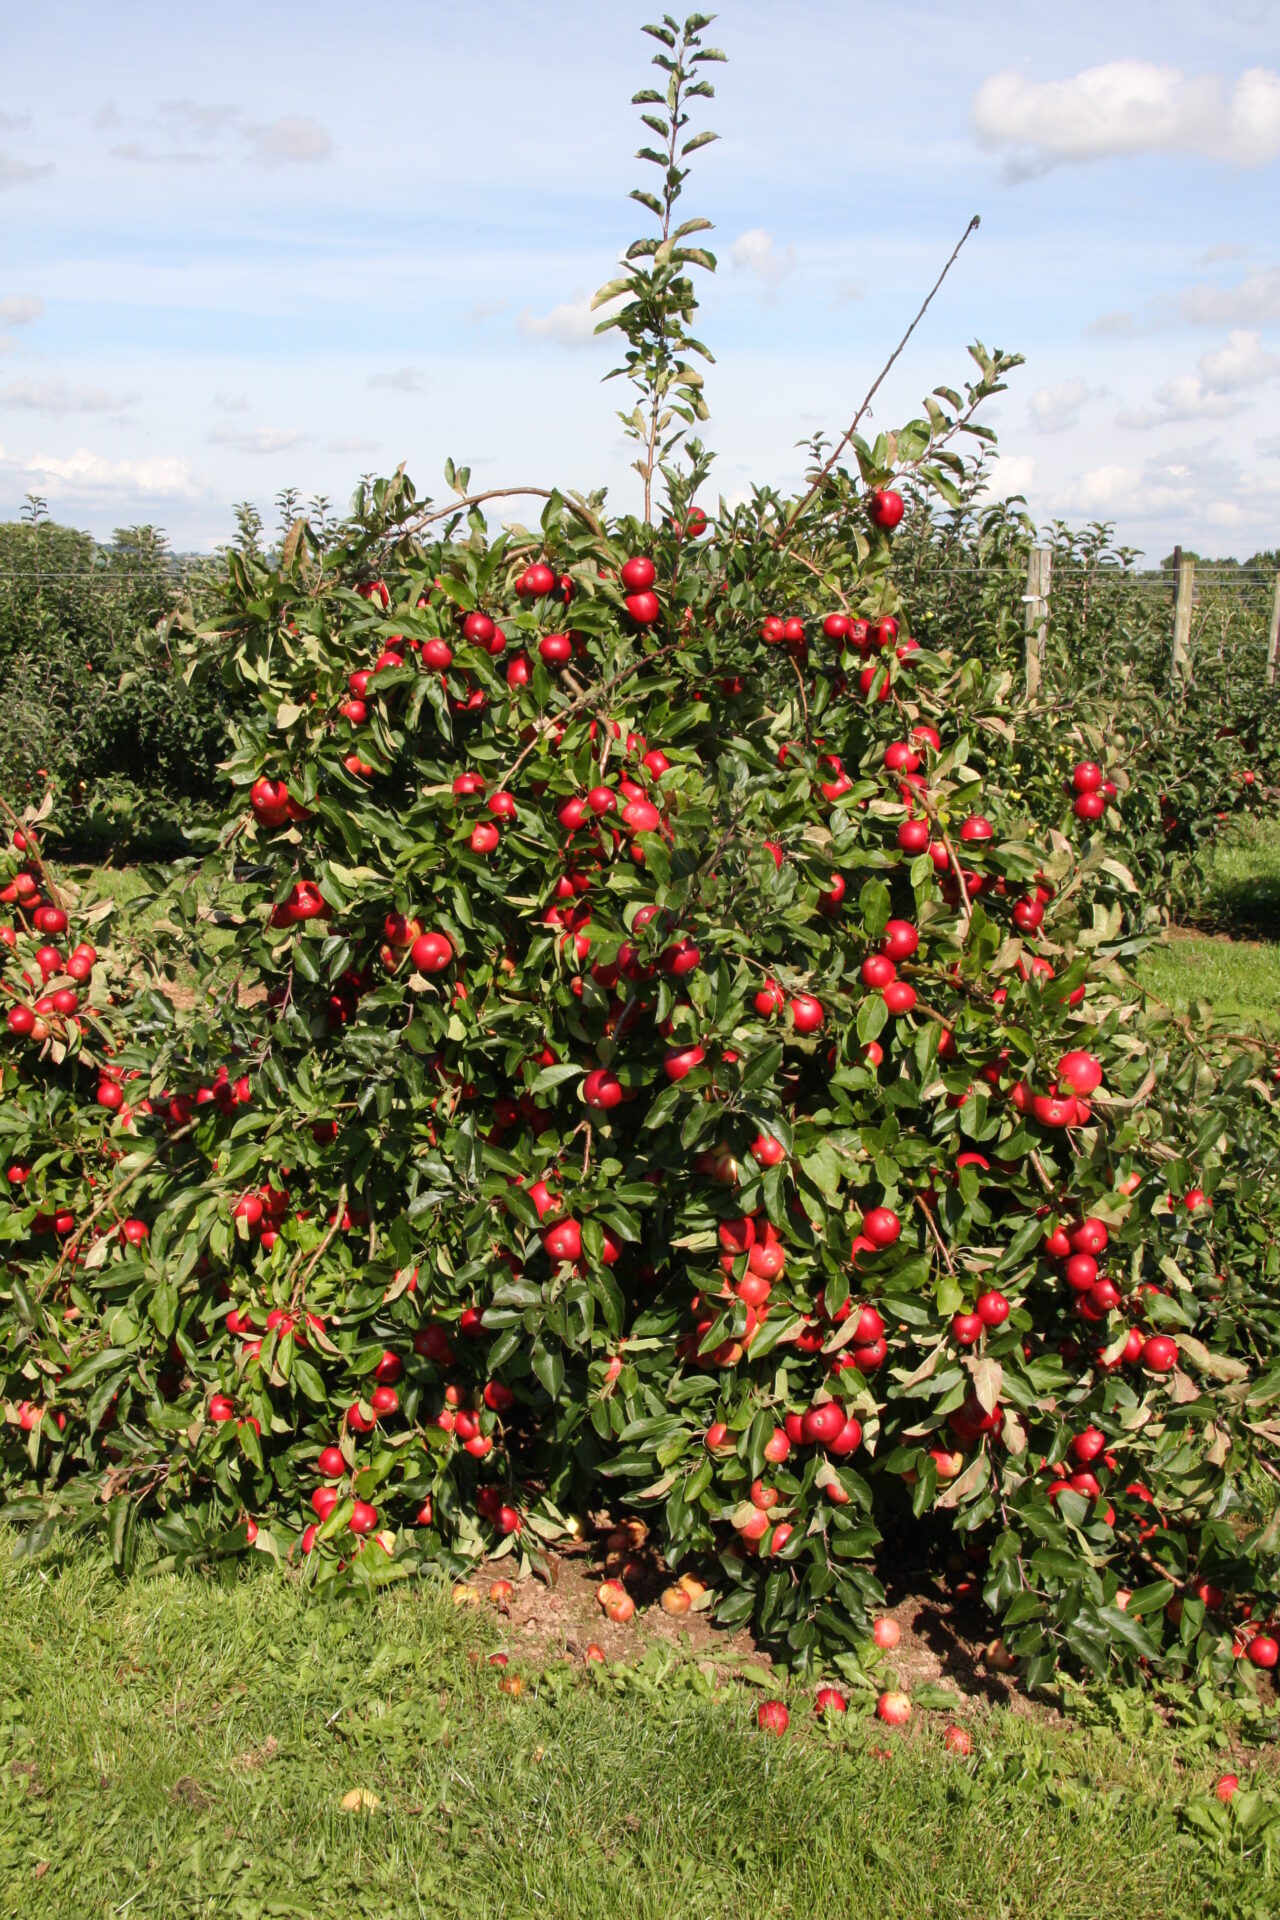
1240, 885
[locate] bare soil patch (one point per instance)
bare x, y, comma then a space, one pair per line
943, 1633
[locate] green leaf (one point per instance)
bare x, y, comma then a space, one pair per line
1150, 1599
663, 1106
308, 1379
549, 1368
611, 290
763, 1070
88, 1369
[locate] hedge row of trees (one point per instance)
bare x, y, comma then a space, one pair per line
95, 704
99, 707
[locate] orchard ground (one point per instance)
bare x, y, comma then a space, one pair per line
181, 1748
1230, 962
195, 1747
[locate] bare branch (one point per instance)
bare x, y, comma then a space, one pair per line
782, 538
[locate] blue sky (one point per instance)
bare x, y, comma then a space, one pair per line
250, 246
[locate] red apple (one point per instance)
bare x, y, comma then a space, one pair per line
602, 1090
894, 1709
563, 1241
431, 952
638, 573
806, 1013
886, 508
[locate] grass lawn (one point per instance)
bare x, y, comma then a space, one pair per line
141, 907
179, 1748
1242, 882
1239, 977
1240, 981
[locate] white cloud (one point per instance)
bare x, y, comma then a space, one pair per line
1009, 474
1225, 250
186, 133
1157, 487
1211, 392
287, 141
1271, 445
55, 396
191, 119
19, 173
230, 402
1242, 362
14, 122
1116, 325
1107, 489
84, 473
1055, 408
1127, 107
484, 310
20, 309
401, 380
258, 439
139, 156
351, 444
756, 252
1253, 301
572, 324
1197, 484
847, 291
1181, 399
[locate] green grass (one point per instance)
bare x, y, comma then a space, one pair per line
142, 907
1241, 889
174, 1747
1240, 981
1238, 978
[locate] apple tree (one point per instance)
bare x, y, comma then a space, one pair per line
663, 1061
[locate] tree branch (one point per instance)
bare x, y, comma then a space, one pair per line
502, 493
782, 538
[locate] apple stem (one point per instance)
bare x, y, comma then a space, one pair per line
804, 704
331, 1235
933, 1229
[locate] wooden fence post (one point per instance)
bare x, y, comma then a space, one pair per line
1273, 644
1039, 565
1184, 595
